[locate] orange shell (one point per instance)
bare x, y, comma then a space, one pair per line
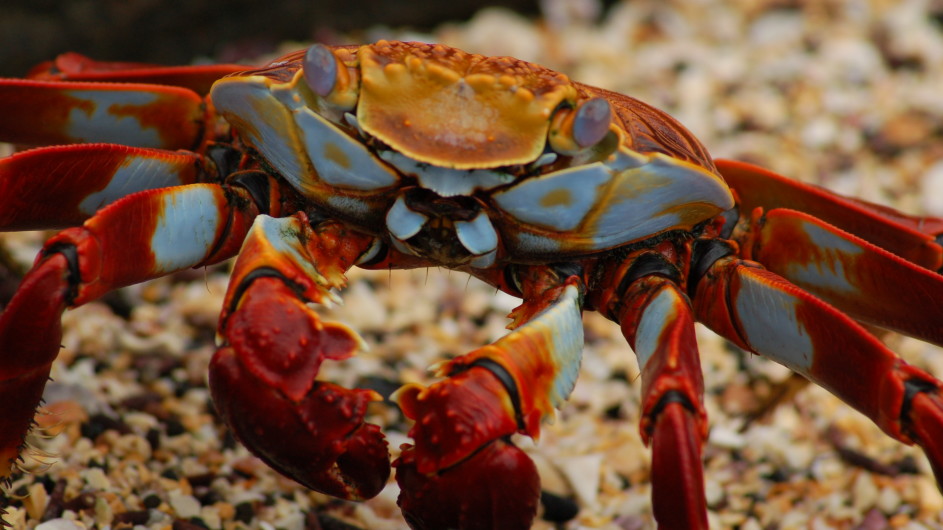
455, 109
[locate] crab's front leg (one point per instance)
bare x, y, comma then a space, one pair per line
658, 322
463, 471
140, 237
263, 378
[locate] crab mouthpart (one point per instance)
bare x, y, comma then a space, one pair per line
443, 229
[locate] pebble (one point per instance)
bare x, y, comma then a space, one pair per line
185, 506
60, 524
583, 474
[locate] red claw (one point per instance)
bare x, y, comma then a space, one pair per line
455, 417
461, 472
496, 488
264, 387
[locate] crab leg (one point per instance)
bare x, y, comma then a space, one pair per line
763, 313
65, 112
916, 239
57, 187
861, 279
263, 377
140, 237
464, 472
658, 322
75, 67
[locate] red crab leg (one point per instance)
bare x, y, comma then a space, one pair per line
263, 377
137, 238
463, 471
912, 238
76, 67
763, 313
658, 322
57, 187
65, 112
865, 281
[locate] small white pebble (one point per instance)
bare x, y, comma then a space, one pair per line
96, 478
888, 500
582, 472
103, 513
210, 516
723, 436
713, 492
864, 492
185, 506
933, 189
60, 524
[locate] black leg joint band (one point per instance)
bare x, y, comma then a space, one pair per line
705, 253
912, 387
256, 183
669, 397
71, 255
509, 385
262, 272
647, 264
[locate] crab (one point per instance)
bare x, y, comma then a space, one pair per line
405, 155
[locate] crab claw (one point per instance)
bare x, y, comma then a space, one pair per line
461, 472
264, 387
496, 487
456, 416
264, 379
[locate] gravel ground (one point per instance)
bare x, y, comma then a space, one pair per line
840, 93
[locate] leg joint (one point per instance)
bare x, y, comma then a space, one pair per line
507, 381
71, 255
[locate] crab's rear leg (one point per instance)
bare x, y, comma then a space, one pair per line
916, 239
65, 112
75, 67
657, 320
140, 237
865, 281
464, 472
263, 378
764, 313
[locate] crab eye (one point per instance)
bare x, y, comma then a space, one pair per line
592, 122
328, 77
572, 131
320, 69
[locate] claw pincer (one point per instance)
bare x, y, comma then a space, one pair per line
263, 379
464, 422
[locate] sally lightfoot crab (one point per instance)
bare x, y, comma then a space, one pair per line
403, 155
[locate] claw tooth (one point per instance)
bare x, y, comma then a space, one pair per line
334, 296
439, 368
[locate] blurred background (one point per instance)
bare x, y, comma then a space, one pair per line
176, 31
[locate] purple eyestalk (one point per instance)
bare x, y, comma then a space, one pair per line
320, 69
591, 123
